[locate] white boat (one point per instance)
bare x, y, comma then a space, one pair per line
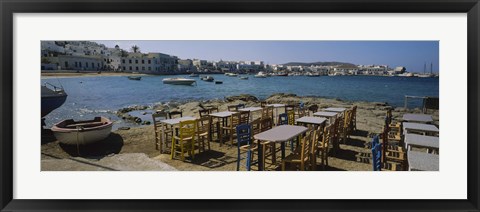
178, 81
407, 74
231, 74
260, 75
194, 75
243, 78
425, 75
208, 78
82, 132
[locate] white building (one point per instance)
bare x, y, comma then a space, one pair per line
154, 63
86, 63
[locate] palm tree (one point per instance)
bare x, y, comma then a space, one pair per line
123, 53
135, 48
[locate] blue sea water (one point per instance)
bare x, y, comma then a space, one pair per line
93, 96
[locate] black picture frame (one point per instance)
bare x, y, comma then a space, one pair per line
9, 7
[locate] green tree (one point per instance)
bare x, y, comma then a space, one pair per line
135, 48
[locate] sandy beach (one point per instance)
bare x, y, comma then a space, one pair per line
138, 142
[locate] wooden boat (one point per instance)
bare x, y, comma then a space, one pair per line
134, 78
178, 81
82, 132
52, 98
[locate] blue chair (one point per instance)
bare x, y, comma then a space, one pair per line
244, 142
283, 119
376, 154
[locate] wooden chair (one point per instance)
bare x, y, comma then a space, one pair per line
203, 133
392, 152
291, 121
313, 108
204, 112
344, 126
267, 112
334, 136
377, 155
163, 132
232, 123
256, 126
353, 126
175, 114
324, 145
244, 117
316, 139
268, 148
245, 145
185, 141
263, 104
289, 108
302, 157
283, 119
240, 106
213, 109
232, 108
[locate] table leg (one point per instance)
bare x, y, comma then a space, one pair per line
283, 149
260, 156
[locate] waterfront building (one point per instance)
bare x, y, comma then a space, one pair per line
186, 65
345, 70
153, 63
72, 62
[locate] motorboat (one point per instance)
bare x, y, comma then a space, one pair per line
313, 75
282, 74
260, 75
243, 78
82, 132
194, 75
52, 98
208, 78
134, 78
218, 82
178, 81
231, 74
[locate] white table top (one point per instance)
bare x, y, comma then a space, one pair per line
335, 109
422, 161
281, 133
325, 114
276, 105
419, 127
417, 118
177, 120
311, 120
251, 109
223, 114
421, 141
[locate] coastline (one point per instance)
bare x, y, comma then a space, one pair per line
48, 75
370, 120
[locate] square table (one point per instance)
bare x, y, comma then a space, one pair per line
335, 109
429, 142
276, 106
278, 134
417, 127
176, 121
311, 120
223, 119
422, 118
251, 110
421, 161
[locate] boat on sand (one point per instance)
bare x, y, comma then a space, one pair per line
52, 98
82, 132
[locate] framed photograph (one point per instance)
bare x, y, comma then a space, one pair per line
258, 106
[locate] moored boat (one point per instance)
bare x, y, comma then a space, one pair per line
218, 82
52, 98
82, 132
178, 81
243, 78
260, 75
134, 78
193, 75
208, 78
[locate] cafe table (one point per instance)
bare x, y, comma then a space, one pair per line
422, 141
425, 129
335, 109
329, 115
310, 120
421, 161
222, 116
279, 134
276, 106
251, 110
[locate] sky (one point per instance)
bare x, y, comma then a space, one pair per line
410, 54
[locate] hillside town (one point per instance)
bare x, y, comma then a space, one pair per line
88, 56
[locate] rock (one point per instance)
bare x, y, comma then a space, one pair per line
147, 122
242, 97
123, 128
137, 120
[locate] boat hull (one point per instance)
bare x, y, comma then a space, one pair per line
50, 103
179, 81
82, 136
